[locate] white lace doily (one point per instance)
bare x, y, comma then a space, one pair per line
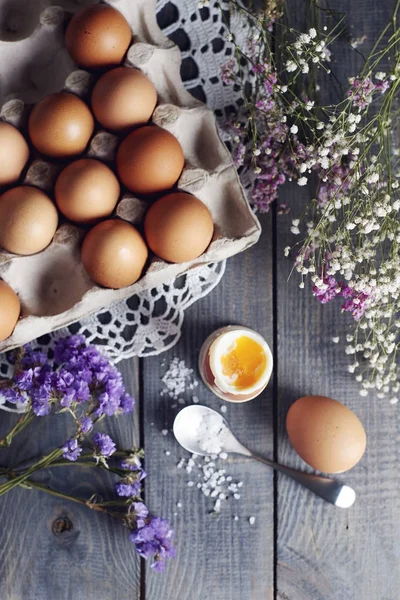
151, 322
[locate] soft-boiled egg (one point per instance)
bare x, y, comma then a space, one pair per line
241, 362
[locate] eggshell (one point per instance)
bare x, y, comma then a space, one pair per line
178, 227
114, 254
60, 125
98, 36
28, 220
325, 433
149, 160
123, 98
86, 190
10, 309
14, 154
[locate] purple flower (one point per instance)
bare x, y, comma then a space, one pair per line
361, 92
32, 358
71, 450
66, 349
356, 302
329, 290
104, 445
129, 490
154, 539
227, 71
86, 424
140, 509
127, 403
13, 396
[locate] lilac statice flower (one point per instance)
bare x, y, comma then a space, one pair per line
132, 463
141, 513
154, 539
84, 373
13, 396
104, 445
126, 489
71, 450
86, 424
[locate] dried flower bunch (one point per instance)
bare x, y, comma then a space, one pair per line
80, 381
346, 153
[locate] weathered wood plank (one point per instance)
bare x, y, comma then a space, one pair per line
218, 558
52, 549
326, 553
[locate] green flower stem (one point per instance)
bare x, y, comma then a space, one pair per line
101, 507
20, 425
43, 463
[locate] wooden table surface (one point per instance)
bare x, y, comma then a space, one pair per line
299, 548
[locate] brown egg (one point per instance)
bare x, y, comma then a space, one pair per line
98, 36
61, 125
14, 154
149, 160
28, 220
114, 254
178, 227
10, 309
123, 98
325, 433
86, 190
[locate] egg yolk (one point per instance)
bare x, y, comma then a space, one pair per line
244, 363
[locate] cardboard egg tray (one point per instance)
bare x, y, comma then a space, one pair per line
52, 285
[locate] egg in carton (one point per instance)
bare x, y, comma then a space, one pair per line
52, 285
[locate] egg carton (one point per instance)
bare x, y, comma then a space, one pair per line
53, 287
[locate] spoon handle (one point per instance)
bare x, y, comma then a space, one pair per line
330, 490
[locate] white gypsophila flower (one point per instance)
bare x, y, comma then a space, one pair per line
363, 393
257, 170
301, 285
291, 66
302, 181
295, 230
336, 340
373, 178
294, 129
286, 251
380, 75
257, 152
312, 33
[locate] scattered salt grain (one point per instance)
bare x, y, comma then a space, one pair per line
167, 453
213, 482
223, 409
195, 399
181, 401
177, 379
165, 432
236, 518
252, 520
179, 505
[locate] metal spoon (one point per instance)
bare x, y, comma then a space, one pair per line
186, 425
